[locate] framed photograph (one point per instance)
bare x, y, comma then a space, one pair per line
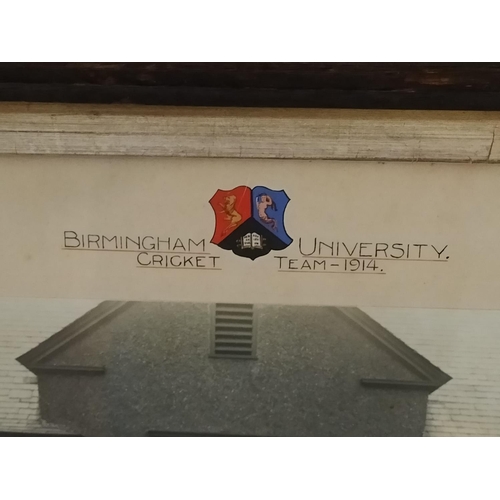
180, 271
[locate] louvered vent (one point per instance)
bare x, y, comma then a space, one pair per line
233, 331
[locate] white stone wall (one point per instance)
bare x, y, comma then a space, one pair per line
23, 325
464, 344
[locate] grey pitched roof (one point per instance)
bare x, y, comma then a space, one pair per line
103, 312
427, 376
430, 376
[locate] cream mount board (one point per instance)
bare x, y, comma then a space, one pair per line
142, 228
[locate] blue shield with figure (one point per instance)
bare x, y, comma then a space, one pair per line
250, 222
269, 209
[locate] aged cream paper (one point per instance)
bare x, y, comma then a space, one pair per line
364, 233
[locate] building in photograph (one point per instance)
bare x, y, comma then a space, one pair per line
173, 369
135, 368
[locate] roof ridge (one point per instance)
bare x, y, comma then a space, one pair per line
98, 315
410, 357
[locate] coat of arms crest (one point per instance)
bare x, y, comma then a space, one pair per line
250, 221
